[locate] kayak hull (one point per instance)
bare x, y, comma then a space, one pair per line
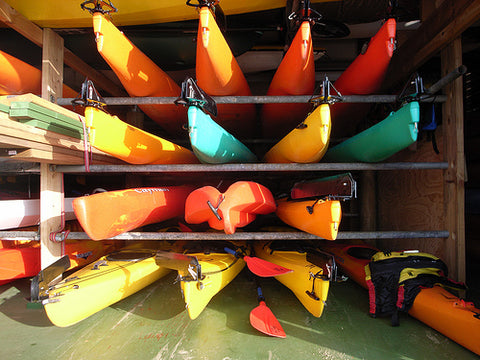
396, 132
295, 76
436, 307
113, 136
219, 74
212, 144
307, 143
300, 280
100, 285
107, 214
317, 217
236, 207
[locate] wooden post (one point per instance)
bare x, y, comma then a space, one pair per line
367, 197
51, 184
454, 187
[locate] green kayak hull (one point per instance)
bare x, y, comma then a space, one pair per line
396, 132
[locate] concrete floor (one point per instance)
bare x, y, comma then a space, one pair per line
153, 324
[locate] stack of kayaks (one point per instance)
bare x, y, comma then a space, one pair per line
435, 306
102, 283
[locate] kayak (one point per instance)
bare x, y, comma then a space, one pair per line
295, 76
68, 14
113, 136
26, 212
396, 132
315, 216
436, 307
18, 77
363, 76
309, 280
237, 207
207, 269
219, 74
307, 143
212, 144
139, 75
21, 259
111, 213
98, 285
341, 186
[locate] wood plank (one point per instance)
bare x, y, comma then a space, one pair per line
443, 26
52, 66
51, 157
34, 33
453, 132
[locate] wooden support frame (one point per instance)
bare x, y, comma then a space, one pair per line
51, 184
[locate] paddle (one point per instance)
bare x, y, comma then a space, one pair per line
262, 318
259, 266
45, 278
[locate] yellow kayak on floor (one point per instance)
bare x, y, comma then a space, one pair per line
101, 284
113, 136
309, 280
315, 216
307, 143
204, 269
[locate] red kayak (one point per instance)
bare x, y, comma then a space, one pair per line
236, 207
107, 214
364, 76
436, 307
21, 259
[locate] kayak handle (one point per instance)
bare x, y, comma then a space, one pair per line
201, 3
97, 6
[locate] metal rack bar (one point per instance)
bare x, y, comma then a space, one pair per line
345, 235
266, 167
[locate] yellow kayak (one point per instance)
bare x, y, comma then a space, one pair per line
113, 136
206, 270
315, 216
101, 284
68, 14
309, 281
307, 143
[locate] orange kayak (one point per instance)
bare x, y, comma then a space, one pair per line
294, 76
113, 136
436, 307
111, 213
219, 74
139, 75
22, 259
236, 207
364, 76
17, 77
315, 216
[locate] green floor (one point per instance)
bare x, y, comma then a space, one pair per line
152, 324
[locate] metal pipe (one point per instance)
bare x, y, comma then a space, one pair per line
179, 168
447, 79
252, 99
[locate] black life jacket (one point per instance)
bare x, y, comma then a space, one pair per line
395, 279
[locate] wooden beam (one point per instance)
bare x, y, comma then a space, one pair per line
443, 26
453, 148
51, 184
34, 33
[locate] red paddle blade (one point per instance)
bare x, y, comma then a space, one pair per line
264, 268
262, 319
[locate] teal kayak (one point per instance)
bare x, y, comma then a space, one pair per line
396, 132
211, 143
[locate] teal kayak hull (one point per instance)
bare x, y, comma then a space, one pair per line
212, 144
396, 132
